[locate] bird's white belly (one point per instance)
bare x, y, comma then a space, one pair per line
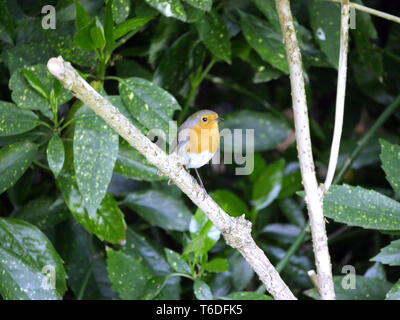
197, 160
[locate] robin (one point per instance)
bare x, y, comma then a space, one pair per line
198, 140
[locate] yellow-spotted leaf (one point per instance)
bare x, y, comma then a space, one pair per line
14, 120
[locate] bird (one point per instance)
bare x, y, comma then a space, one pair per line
198, 140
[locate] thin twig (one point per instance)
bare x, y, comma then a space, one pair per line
314, 279
313, 197
236, 231
362, 142
374, 12
340, 94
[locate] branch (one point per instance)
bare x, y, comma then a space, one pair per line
340, 94
374, 12
236, 231
303, 139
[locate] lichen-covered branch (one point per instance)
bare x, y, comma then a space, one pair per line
313, 197
236, 231
340, 94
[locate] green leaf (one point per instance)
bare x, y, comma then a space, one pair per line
133, 165
97, 35
204, 234
265, 40
109, 26
180, 60
107, 222
138, 246
357, 206
166, 29
200, 4
390, 254
390, 157
120, 10
169, 8
268, 8
241, 271
363, 33
197, 246
282, 232
217, 265
14, 120
176, 262
83, 38
14, 160
291, 183
7, 21
85, 263
269, 131
35, 83
57, 88
27, 97
267, 187
160, 209
266, 73
193, 14
70, 51
128, 276
325, 23
293, 210
230, 202
26, 257
95, 151
365, 289
201, 290
55, 154
130, 25
43, 212
394, 293
246, 295
82, 18
376, 272
25, 55
150, 105
296, 269
214, 34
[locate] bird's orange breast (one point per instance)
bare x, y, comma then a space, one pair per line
203, 139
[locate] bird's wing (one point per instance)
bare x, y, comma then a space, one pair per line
183, 135
183, 138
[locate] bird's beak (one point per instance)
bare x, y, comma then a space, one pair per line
219, 119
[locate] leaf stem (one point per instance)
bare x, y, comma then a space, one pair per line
242, 90
198, 78
41, 165
363, 141
293, 248
167, 278
85, 282
43, 123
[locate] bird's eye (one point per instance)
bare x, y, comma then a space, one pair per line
204, 119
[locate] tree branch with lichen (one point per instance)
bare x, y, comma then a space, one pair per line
236, 231
313, 197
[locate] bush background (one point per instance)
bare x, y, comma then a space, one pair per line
76, 197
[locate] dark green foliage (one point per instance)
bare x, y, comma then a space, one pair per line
78, 198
